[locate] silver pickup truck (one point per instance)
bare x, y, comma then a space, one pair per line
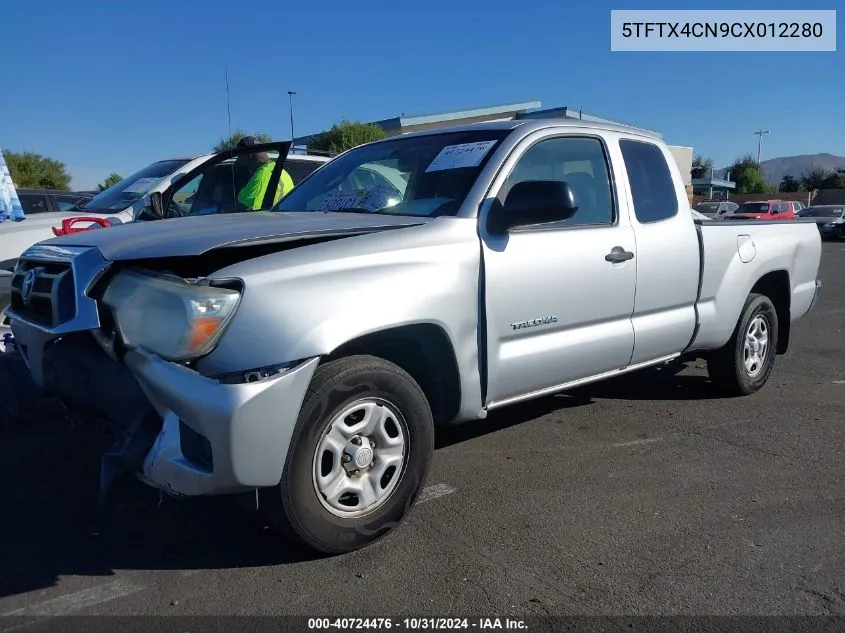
304, 356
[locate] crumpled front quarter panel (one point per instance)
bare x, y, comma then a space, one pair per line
308, 301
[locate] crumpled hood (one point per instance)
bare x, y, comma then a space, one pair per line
197, 235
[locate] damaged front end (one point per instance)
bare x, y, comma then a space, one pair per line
52, 319
93, 386
118, 343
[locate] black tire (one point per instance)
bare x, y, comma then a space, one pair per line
726, 366
294, 508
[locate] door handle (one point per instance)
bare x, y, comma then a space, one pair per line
617, 255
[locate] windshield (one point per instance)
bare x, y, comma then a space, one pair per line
418, 175
823, 212
753, 207
121, 195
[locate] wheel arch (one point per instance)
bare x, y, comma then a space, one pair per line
425, 351
775, 285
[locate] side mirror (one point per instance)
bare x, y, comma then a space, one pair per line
533, 202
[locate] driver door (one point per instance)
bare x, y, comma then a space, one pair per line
558, 305
220, 184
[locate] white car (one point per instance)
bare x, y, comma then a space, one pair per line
124, 202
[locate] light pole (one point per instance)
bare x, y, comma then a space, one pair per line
290, 99
760, 134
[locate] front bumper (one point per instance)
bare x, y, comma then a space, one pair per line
247, 427
215, 437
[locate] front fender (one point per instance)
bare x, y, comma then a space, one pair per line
309, 301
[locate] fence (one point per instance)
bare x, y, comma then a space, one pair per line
820, 196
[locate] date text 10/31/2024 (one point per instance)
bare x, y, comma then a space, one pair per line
415, 624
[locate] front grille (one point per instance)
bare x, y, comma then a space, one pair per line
43, 292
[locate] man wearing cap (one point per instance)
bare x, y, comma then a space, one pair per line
252, 175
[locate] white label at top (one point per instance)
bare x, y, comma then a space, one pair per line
459, 156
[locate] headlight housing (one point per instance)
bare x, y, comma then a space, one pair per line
168, 316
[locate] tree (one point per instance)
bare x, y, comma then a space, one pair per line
701, 166
788, 184
835, 180
112, 179
814, 179
745, 172
346, 135
823, 179
231, 142
34, 171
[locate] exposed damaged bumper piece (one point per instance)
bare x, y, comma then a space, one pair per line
178, 430
181, 431
218, 438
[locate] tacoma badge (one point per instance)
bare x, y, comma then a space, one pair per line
534, 322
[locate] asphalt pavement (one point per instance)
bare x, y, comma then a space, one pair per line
643, 495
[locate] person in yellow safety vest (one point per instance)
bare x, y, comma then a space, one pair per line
252, 194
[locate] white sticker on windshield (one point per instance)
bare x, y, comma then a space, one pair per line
338, 199
370, 200
141, 185
459, 156
378, 197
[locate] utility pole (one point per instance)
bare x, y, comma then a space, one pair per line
760, 134
290, 99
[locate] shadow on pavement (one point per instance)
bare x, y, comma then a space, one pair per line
663, 383
51, 524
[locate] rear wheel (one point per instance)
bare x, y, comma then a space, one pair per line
359, 456
744, 364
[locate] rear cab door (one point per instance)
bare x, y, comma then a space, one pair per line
668, 251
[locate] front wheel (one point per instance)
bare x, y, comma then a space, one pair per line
744, 364
358, 458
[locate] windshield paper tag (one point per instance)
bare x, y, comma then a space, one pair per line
141, 185
370, 200
337, 199
377, 198
460, 156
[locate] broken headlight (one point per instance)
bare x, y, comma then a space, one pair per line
168, 316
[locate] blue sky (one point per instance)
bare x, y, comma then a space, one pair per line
112, 86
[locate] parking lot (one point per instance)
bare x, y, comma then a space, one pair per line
644, 495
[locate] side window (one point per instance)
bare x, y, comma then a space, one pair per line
578, 161
299, 169
652, 187
66, 203
226, 186
33, 203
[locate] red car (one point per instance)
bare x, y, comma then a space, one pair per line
764, 210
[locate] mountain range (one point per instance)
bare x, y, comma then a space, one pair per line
774, 169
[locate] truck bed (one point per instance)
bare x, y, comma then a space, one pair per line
740, 254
